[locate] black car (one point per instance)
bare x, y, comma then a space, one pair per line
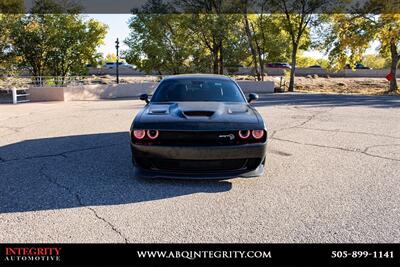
279, 65
358, 66
315, 67
198, 126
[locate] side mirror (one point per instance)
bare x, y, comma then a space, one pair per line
144, 97
252, 97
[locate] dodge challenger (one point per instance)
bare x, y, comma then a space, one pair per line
198, 126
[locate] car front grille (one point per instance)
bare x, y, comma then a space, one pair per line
197, 138
203, 166
199, 166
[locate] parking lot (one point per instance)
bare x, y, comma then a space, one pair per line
332, 175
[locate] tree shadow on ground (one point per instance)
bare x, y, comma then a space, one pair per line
84, 170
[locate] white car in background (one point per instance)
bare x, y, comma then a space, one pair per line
121, 65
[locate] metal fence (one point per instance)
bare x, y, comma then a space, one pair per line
8, 83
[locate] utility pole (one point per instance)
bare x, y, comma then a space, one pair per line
117, 47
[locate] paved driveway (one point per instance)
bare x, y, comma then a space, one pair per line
332, 175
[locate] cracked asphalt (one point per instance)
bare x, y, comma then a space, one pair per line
332, 175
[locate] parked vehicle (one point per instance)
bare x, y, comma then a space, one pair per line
198, 126
358, 66
113, 65
279, 65
315, 67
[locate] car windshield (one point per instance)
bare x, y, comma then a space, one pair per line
178, 90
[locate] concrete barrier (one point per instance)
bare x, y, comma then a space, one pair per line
135, 89
86, 92
381, 73
257, 87
112, 91
367, 73
323, 72
316, 71
90, 92
345, 73
40, 94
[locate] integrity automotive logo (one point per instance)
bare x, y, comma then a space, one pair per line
31, 254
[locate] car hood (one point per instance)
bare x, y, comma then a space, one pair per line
199, 116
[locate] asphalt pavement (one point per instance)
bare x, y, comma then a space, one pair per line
332, 175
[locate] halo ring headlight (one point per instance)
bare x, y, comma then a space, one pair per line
139, 134
153, 134
244, 134
257, 134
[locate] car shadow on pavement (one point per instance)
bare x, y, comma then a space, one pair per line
84, 170
328, 100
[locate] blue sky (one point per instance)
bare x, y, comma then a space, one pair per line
117, 28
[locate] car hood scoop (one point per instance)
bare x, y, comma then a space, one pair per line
192, 115
198, 113
237, 109
158, 110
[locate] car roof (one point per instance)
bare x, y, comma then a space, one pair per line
197, 76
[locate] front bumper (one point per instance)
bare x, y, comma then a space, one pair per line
205, 161
200, 152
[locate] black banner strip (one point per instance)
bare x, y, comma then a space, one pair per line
200, 254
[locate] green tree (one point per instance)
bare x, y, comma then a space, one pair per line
175, 43
157, 41
299, 16
73, 44
111, 57
10, 13
376, 61
350, 35
56, 44
215, 33
219, 37
267, 41
31, 43
304, 61
388, 32
97, 60
11, 7
347, 37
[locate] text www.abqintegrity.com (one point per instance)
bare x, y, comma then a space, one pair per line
203, 254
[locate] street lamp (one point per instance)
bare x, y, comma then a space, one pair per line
117, 47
